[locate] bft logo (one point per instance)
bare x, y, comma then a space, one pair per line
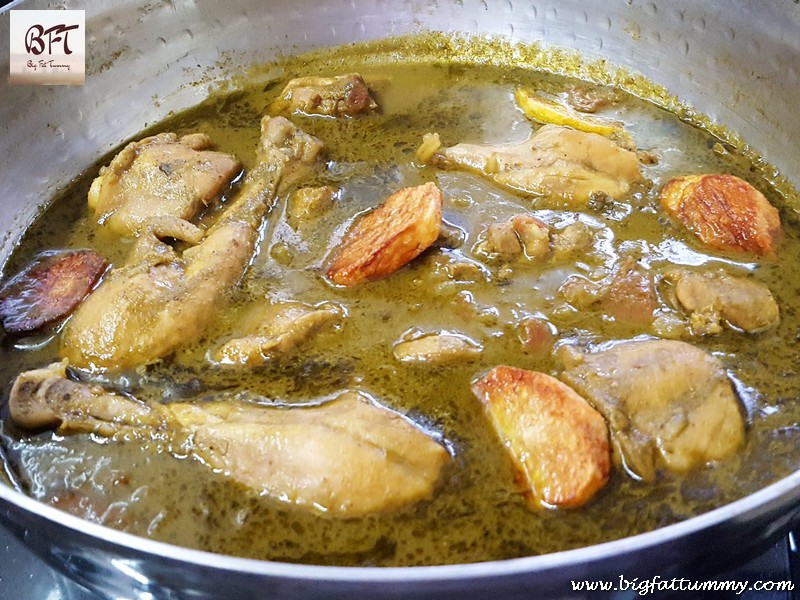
48, 47
37, 35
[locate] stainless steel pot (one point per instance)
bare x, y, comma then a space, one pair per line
736, 61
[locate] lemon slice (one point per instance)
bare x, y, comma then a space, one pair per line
546, 111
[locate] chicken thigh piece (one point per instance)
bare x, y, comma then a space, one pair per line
163, 298
161, 181
665, 402
347, 457
556, 163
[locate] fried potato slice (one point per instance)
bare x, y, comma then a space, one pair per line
389, 237
49, 289
558, 442
724, 212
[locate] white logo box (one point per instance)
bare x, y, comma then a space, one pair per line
48, 47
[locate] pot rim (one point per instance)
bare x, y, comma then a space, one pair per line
778, 496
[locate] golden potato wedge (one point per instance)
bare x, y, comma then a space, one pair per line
49, 289
558, 442
389, 237
724, 212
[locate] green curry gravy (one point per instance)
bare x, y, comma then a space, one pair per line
478, 512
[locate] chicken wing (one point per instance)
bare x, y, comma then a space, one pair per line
163, 298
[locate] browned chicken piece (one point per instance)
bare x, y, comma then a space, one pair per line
724, 212
536, 334
712, 297
555, 163
574, 240
521, 235
276, 330
630, 296
666, 402
340, 96
438, 348
49, 289
534, 235
161, 183
347, 457
309, 203
163, 298
590, 99
558, 442
389, 237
